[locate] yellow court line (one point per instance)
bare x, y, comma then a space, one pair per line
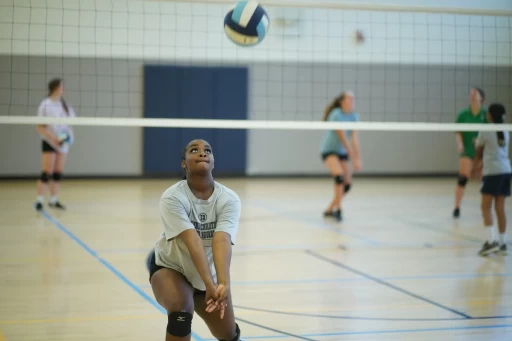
2, 337
82, 319
27, 260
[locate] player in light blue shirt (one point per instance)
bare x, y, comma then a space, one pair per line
338, 147
492, 150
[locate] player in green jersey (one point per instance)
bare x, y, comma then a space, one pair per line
475, 113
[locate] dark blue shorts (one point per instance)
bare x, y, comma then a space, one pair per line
496, 185
342, 157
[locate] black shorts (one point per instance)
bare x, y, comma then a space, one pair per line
47, 148
342, 157
154, 268
496, 185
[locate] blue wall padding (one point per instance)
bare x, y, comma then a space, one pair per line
199, 93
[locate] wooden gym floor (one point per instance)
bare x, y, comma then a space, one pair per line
398, 268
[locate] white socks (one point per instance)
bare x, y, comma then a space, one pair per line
502, 238
493, 235
491, 230
53, 199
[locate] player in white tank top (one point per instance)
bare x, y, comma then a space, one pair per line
189, 267
56, 141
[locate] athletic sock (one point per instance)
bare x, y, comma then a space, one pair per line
491, 233
502, 238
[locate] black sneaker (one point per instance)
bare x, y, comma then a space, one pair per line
38, 206
57, 205
456, 212
489, 248
503, 250
327, 214
337, 215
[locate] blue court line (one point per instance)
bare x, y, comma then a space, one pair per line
389, 285
111, 268
372, 318
311, 222
377, 332
133, 286
284, 334
359, 279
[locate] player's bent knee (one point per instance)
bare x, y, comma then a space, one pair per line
462, 181
179, 323
57, 176
45, 177
237, 336
338, 179
347, 188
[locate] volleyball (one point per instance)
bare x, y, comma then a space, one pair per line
246, 24
64, 139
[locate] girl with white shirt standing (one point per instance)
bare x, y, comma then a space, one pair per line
56, 140
492, 150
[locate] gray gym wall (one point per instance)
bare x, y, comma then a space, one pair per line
278, 91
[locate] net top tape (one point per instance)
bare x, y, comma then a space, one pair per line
252, 124
365, 6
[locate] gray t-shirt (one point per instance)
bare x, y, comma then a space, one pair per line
495, 157
180, 210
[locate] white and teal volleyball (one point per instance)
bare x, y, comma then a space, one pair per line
246, 24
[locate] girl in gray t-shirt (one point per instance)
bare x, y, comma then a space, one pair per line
492, 150
190, 265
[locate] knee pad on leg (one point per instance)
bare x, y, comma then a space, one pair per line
45, 177
237, 336
179, 323
462, 181
338, 179
347, 188
57, 176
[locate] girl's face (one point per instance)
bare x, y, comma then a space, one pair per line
59, 90
198, 157
489, 117
475, 97
347, 104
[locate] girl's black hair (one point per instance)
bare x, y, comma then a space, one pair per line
184, 153
52, 86
497, 111
183, 157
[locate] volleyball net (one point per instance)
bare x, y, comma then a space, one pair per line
168, 64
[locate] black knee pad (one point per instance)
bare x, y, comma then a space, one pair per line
45, 177
179, 323
347, 188
338, 179
462, 181
57, 176
237, 336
